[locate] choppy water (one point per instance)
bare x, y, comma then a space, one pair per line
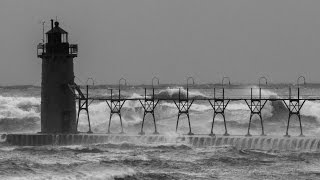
159, 161
20, 112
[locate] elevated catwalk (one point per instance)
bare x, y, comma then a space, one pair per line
311, 144
219, 100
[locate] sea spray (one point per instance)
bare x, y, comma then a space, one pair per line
21, 114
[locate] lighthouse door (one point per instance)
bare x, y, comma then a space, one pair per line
66, 119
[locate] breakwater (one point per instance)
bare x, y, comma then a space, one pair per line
274, 143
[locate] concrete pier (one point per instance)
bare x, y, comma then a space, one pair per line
276, 143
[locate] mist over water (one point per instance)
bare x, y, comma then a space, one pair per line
22, 106
20, 112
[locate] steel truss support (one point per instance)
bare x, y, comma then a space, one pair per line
219, 106
294, 106
115, 106
256, 106
183, 106
83, 102
149, 104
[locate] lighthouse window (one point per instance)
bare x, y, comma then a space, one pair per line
64, 38
57, 38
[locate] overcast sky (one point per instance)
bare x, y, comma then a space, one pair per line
170, 39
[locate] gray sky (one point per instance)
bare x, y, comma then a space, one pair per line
171, 39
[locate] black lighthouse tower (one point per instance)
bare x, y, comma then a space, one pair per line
58, 111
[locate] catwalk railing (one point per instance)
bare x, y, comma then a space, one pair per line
219, 100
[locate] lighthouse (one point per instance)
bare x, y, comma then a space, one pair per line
58, 111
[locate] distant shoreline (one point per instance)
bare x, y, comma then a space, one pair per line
161, 86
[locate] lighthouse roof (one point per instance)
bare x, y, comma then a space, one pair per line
56, 29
